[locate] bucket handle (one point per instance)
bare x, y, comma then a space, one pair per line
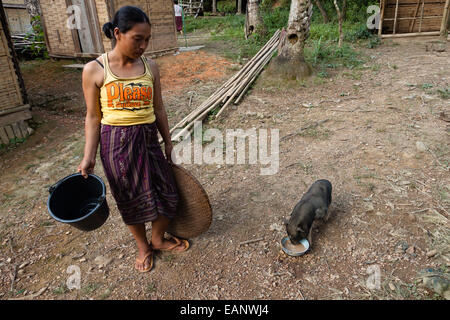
53, 187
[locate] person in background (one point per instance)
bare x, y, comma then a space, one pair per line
178, 16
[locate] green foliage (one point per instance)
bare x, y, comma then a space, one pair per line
275, 19
228, 6
36, 35
356, 11
321, 48
324, 54
13, 143
444, 93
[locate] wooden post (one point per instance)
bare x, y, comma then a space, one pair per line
395, 17
445, 18
380, 27
411, 25
421, 16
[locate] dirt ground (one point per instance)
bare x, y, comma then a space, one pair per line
375, 132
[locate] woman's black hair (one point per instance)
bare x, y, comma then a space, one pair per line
125, 19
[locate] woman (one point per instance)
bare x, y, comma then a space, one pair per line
124, 113
178, 16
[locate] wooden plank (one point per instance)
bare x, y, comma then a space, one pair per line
4, 136
415, 34
445, 19
15, 109
9, 132
24, 128
15, 117
17, 131
97, 32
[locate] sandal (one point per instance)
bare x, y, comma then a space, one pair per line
177, 243
143, 262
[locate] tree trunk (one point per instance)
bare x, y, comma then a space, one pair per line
242, 4
344, 10
290, 63
322, 11
340, 17
214, 6
239, 7
253, 20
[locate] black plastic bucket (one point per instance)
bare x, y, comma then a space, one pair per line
78, 201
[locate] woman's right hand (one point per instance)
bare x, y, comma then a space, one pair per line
86, 167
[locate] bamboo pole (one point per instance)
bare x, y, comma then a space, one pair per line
380, 27
244, 69
242, 85
253, 79
414, 34
230, 88
225, 85
411, 26
395, 17
250, 64
445, 18
421, 16
410, 18
255, 74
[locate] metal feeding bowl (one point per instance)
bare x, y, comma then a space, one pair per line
294, 250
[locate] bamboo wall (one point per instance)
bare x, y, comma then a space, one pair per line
58, 37
161, 14
63, 42
13, 110
427, 13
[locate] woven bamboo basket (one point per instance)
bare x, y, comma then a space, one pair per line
194, 214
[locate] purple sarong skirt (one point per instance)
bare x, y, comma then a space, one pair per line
139, 175
179, 22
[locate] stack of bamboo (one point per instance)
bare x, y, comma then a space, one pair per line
21, 41
232, 90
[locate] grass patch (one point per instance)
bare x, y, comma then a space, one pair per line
444, 93
61, 289
91, 287
315, 133
321, 48
324, 55
151, 288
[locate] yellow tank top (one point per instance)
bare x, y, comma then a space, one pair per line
127, 101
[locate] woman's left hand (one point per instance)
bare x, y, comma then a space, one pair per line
168, 150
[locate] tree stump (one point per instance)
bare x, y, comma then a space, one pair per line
290, 63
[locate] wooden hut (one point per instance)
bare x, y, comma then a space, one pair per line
400, 18
17, 16
14, 107
84, 37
